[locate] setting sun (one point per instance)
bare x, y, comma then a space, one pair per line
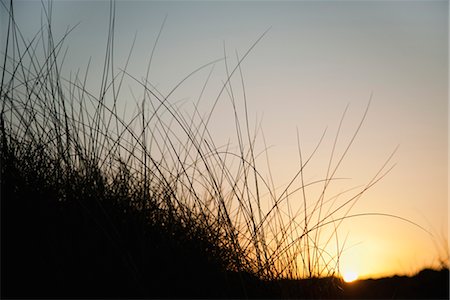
350, 276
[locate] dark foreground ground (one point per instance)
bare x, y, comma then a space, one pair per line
427, 284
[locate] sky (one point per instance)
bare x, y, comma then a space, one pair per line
316, 58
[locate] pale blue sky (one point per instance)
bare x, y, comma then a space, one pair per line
317, 57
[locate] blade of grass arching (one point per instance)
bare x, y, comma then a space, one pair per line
226, 174
8, 31
229, 88
163, 100
294, 226
323, 259
108, 51
231, 74
81, 120
352, 139
175, 114
111, 34
353, 200
228, 79
127, 128
298, 225
373, 214
191, 143
319, 202
293, 217
149, 64
294, 178
53, 78
72, 109
233, 182
114, 114
52, 62
165, 133
230, 227
345, 217
19, 65
339, 250
62, 100
82, 109
177, 160
103, 118
276, 224
305, 229
375, 179
144, 142
300, 210
98, 112
196, 110
279, 224
341, 158
197, 129
333, 199
171, 112
15, 38
248, 218
163, 130
144, 152
290, 254
103, 123
212, 109
27, 102
260, 231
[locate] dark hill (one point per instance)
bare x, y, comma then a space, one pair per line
428, 284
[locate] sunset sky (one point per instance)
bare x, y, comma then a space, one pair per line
316, 57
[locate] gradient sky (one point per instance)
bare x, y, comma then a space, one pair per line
317, 57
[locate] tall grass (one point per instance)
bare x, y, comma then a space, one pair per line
98, 204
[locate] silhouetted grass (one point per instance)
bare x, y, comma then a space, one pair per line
98, 205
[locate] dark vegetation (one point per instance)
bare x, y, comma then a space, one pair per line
95, 205
427, 284
76, 237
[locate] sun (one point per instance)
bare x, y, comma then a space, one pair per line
350, 276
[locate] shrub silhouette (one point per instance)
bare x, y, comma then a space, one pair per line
68, 234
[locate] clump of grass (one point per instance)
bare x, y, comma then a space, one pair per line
99, 205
